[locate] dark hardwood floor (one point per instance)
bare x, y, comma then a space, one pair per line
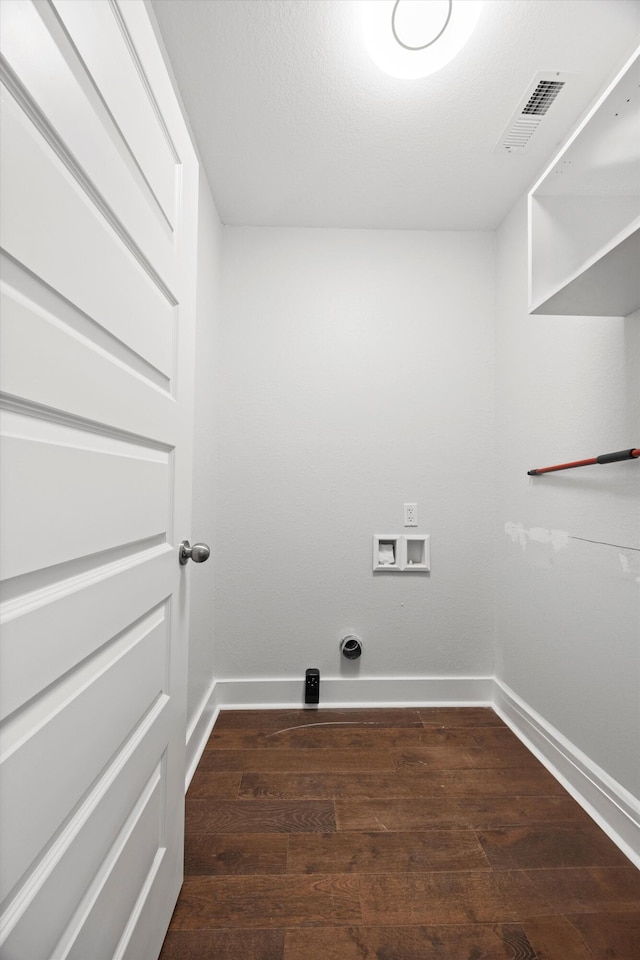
412, 834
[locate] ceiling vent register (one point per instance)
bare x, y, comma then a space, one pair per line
531, 110
543, 96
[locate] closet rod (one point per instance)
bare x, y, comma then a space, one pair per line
603, 458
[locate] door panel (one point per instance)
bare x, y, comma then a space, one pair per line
54, 228
98, 237
134, 863
113, 594
41, 781
94, 499
98, 28
79, 124
94, 381
68, 872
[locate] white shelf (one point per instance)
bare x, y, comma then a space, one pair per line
607, 285
584, 212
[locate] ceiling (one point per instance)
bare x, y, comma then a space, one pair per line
296, 126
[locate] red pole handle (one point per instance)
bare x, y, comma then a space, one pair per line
603, 458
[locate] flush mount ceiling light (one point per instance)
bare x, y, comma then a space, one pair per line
413, 38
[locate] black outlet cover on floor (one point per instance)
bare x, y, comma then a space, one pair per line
312, 686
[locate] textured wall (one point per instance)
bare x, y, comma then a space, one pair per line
568, 608
353, 372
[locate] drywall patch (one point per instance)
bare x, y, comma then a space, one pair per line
517, 533
559, 539
630, 566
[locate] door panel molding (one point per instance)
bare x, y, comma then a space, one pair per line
99, 28
28, 291
62, 876
91, 264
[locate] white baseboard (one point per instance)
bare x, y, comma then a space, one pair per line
334, 692
613, 808
358, 692
199, 731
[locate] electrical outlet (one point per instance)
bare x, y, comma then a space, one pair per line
312, 686
411, 514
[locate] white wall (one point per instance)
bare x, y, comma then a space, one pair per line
568, 610
202, 614
353, 372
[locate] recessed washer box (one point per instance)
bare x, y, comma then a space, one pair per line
386, 552
403, 554
417, 555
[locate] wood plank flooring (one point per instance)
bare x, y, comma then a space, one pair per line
398, 834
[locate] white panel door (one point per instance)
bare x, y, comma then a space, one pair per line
98, 249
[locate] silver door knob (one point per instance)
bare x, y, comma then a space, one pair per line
199, 552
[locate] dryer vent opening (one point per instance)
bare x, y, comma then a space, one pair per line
351, 647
